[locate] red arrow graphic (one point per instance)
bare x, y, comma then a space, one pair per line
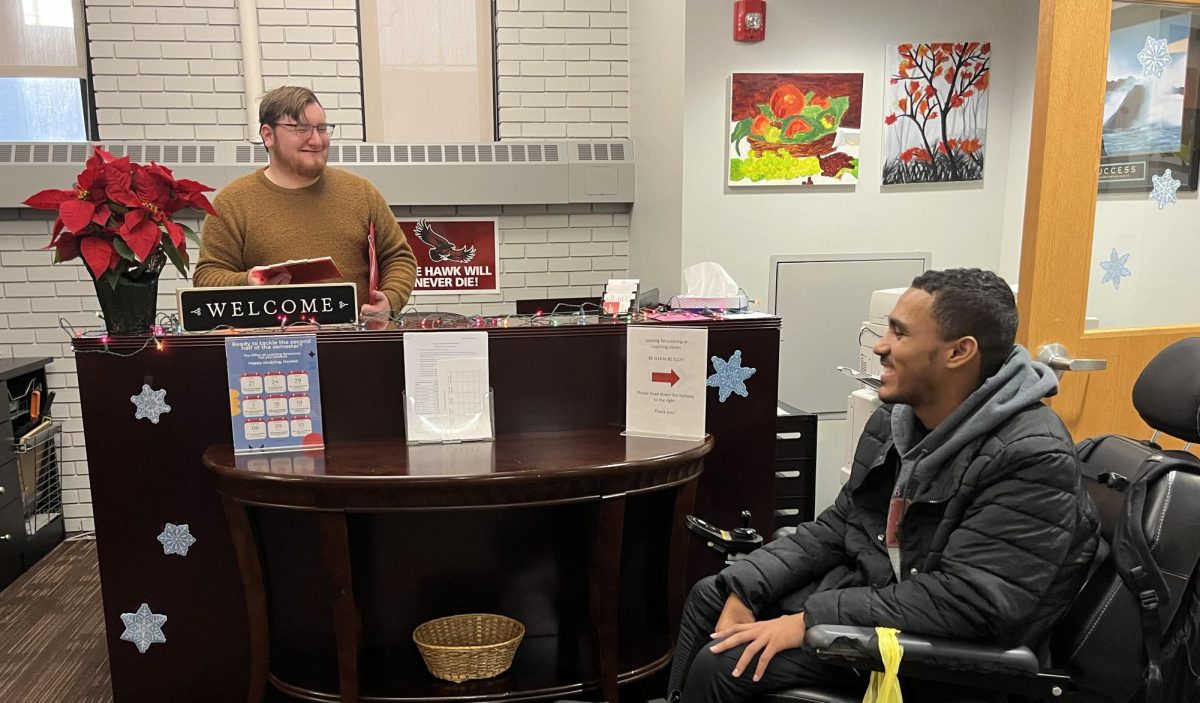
670, 378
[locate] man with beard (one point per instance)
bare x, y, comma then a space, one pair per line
964, 516
296, 208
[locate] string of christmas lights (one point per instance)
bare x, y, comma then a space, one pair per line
410, 318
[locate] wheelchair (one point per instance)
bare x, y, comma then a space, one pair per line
1096, 652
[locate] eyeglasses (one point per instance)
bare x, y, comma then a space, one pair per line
305, 130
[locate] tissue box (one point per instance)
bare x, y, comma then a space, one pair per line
696, 302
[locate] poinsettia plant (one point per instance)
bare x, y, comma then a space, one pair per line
118, 217
792, 116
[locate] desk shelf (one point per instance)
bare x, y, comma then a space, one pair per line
544, 667
578, 535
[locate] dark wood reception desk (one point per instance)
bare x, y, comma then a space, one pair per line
597, 515
544, 378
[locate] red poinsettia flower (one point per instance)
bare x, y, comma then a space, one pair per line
117, 213
77, 208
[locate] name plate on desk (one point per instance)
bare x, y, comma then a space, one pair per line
251, 307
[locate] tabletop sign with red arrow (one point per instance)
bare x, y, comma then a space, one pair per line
671, 378
664, 383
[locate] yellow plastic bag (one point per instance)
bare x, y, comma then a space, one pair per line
885, 686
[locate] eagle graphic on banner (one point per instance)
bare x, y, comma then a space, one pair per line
440, 248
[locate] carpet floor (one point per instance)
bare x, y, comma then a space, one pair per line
51, 631
52, 646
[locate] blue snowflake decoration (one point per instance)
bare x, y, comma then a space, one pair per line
176, 539
730, 376
150, 404
1154, 57
1114, 269
1164, 189
143, 628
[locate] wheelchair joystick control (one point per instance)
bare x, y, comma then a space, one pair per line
744, 531
729, 543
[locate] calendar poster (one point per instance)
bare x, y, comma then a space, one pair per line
274, 393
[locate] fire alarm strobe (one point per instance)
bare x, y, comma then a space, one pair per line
749, 20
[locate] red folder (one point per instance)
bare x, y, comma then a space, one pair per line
306, 270
374, 284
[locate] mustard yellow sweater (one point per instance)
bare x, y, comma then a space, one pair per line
259, 223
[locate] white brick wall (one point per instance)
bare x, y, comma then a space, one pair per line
563, 68
563, 65
546, 251
171, 70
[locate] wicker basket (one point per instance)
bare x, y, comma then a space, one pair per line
463, 647
817, 147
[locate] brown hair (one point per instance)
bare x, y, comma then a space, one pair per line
285, 101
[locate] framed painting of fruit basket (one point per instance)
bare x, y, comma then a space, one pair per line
794, 129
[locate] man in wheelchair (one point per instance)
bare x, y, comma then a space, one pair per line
964, 517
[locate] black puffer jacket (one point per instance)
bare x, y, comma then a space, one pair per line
994, 546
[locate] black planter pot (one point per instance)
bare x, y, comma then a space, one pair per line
130, 308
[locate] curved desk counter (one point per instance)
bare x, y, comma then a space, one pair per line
577, 534
144, 475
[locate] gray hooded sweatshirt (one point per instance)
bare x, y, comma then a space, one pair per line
1020, 382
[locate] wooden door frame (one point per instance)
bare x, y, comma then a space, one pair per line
1060, 211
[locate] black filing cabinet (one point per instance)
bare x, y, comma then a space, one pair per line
795, 466
31, 521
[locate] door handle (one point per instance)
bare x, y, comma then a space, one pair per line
1055, 356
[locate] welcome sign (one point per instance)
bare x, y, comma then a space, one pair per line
454, 255
250, 307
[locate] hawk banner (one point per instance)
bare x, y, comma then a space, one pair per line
454, 255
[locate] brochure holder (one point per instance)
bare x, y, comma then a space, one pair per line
474, 425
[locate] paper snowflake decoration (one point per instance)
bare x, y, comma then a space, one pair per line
176, 539
730, 376
143, 628
150, 404
1114, 269
1164, 189
1154, 57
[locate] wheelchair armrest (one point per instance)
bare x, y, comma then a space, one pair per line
859, 646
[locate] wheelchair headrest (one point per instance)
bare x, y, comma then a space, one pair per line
1167, 392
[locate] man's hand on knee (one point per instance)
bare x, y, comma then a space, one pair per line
735, 612
765, 639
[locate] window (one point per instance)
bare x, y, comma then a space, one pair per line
427, 70
43, 80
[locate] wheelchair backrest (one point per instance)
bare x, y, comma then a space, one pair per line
1100, 640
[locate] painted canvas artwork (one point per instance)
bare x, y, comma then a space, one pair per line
935, 115
794, 129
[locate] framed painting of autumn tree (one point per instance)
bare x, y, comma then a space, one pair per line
935, 114
794, 129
